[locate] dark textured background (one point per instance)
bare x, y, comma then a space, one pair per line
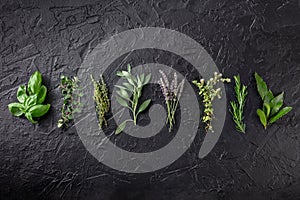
43, 162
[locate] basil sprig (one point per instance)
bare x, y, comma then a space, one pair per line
30, 99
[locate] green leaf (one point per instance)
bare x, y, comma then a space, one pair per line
120, 87
142, 78
21, 94
121, 101
261, 86
262, 117
16, 109
268, 97
147, 79
120, 128
125, 73
276, 103
144, 105
30, 101
42, 95
267, 109
123, 93
38, 110
128, 67
35, 83
119, 73
128, 86
29, 117
281, 113
130, 81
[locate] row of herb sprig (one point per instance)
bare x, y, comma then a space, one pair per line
32, 96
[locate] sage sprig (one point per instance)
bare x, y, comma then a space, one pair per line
30, 99
133, 87
172, 93
101, 99
271, 110
71, 100
208, 92
237, 110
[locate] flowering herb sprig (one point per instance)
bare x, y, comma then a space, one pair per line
71, 99
101, 99
208, 93
172, 93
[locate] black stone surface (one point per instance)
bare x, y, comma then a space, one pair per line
44, 162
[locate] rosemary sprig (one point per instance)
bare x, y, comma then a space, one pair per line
71, 99
101, 99
237, 110
208, 93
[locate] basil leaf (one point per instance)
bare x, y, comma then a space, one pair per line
29, 117
35, 83
144, 105
21, 93
30, 101
16, 109
282, 112
38, 110
261, 86
269, 97
262, 117
42, 95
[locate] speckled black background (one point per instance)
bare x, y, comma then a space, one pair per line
44, 162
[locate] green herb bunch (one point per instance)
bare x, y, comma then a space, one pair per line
271, 110
101, 99
133, 87
30, 99
71, 99
172, 93
208, 93
237, 111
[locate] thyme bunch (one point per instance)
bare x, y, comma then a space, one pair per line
238, 107
71, 99
208, 93
172, 93
134, 87
101, 99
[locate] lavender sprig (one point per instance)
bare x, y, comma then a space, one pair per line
172, 93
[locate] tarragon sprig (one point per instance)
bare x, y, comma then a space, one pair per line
237, 110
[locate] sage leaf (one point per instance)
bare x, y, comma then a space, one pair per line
144, 105
121, 101
16, 109
120, 128
262, 117
281, 113
38, 110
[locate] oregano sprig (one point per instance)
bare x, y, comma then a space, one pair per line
133, 87
271, 110
71, 99
208, 92
237, 110
101, 99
